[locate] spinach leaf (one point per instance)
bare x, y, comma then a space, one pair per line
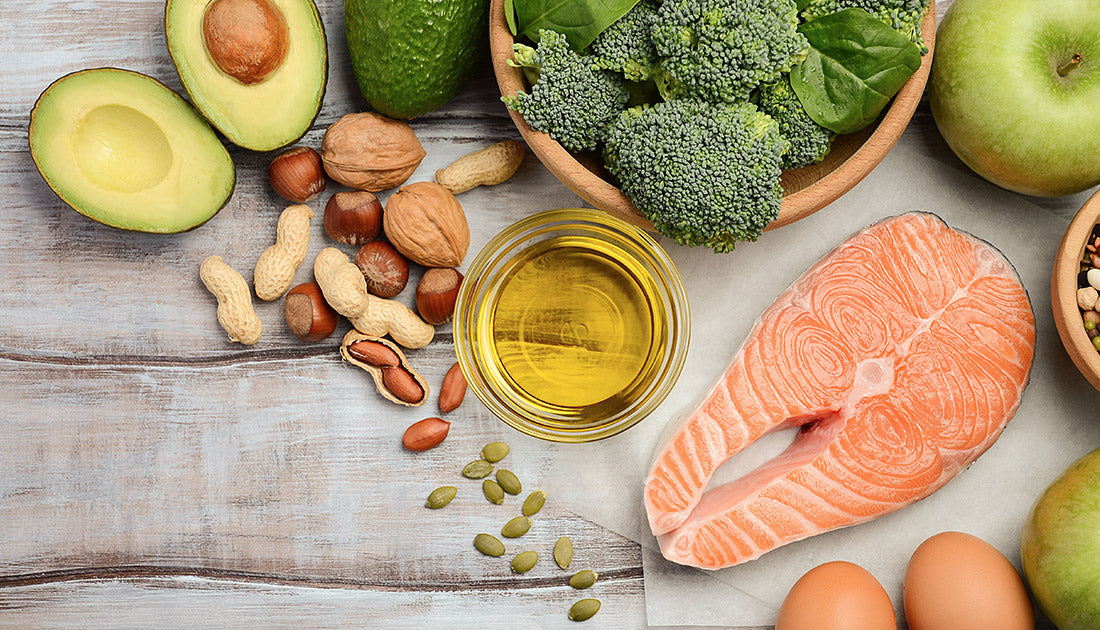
579, 20
801, 4
855, 65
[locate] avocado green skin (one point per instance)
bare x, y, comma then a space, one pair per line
152, 229
412, 56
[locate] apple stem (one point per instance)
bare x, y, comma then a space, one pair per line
1070, 65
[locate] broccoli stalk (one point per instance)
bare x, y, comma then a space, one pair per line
570, 98
704, 174
720, 50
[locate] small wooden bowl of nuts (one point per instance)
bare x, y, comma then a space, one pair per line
1075, 290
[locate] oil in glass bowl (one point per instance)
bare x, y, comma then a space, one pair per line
574, 327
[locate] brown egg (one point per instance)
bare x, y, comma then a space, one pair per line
956, 580
837, 596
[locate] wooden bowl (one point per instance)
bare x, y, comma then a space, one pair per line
1063, 292
806, 190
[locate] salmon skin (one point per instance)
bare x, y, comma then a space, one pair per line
901, 356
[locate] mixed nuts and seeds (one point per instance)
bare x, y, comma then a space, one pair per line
1088, 291
422, 223
495, 491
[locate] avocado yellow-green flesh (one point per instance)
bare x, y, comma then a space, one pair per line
260, 116
123, 149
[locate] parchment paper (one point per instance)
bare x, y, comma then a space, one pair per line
1056, 422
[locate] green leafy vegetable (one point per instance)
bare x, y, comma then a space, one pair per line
579, 20
704, 174
720, 50
570, 98
510, 16
854, 67
905, 16
801, 4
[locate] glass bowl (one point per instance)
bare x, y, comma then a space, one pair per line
572, 325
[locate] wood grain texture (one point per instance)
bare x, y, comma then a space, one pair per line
152, 474
186, 602
1063, 291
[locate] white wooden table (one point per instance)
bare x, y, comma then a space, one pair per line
153, 474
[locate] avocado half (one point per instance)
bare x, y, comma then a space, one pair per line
412, 56
124, 150
273, 110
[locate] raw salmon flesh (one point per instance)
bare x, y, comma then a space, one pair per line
901, 356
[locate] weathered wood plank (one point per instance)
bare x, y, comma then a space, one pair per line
291, 467
187, 602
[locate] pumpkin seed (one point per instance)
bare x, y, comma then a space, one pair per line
534, 503
563, 552
583, 579
509, 481
525, 561
584, 609
492, 491
489, 545
494, 452
516, 527
441, 497
477, 469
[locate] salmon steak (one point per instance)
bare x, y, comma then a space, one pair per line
899, 358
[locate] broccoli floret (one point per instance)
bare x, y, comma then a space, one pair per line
626, 46
720, 50
810, 142
570, 98
905, 16
703, 173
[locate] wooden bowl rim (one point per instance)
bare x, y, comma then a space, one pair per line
1063, 291
795, 206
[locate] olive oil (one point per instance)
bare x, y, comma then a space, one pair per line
576, 328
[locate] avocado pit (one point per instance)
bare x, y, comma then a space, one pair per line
246, 39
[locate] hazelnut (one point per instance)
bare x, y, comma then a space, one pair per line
436, 294
353, 218
297, 174
310, 318
386, 270
246, 39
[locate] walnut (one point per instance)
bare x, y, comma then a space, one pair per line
370, 152
426, 223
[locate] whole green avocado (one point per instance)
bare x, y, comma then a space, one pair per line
412, 56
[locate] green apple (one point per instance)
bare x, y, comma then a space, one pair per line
1016, 92
1060, 547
